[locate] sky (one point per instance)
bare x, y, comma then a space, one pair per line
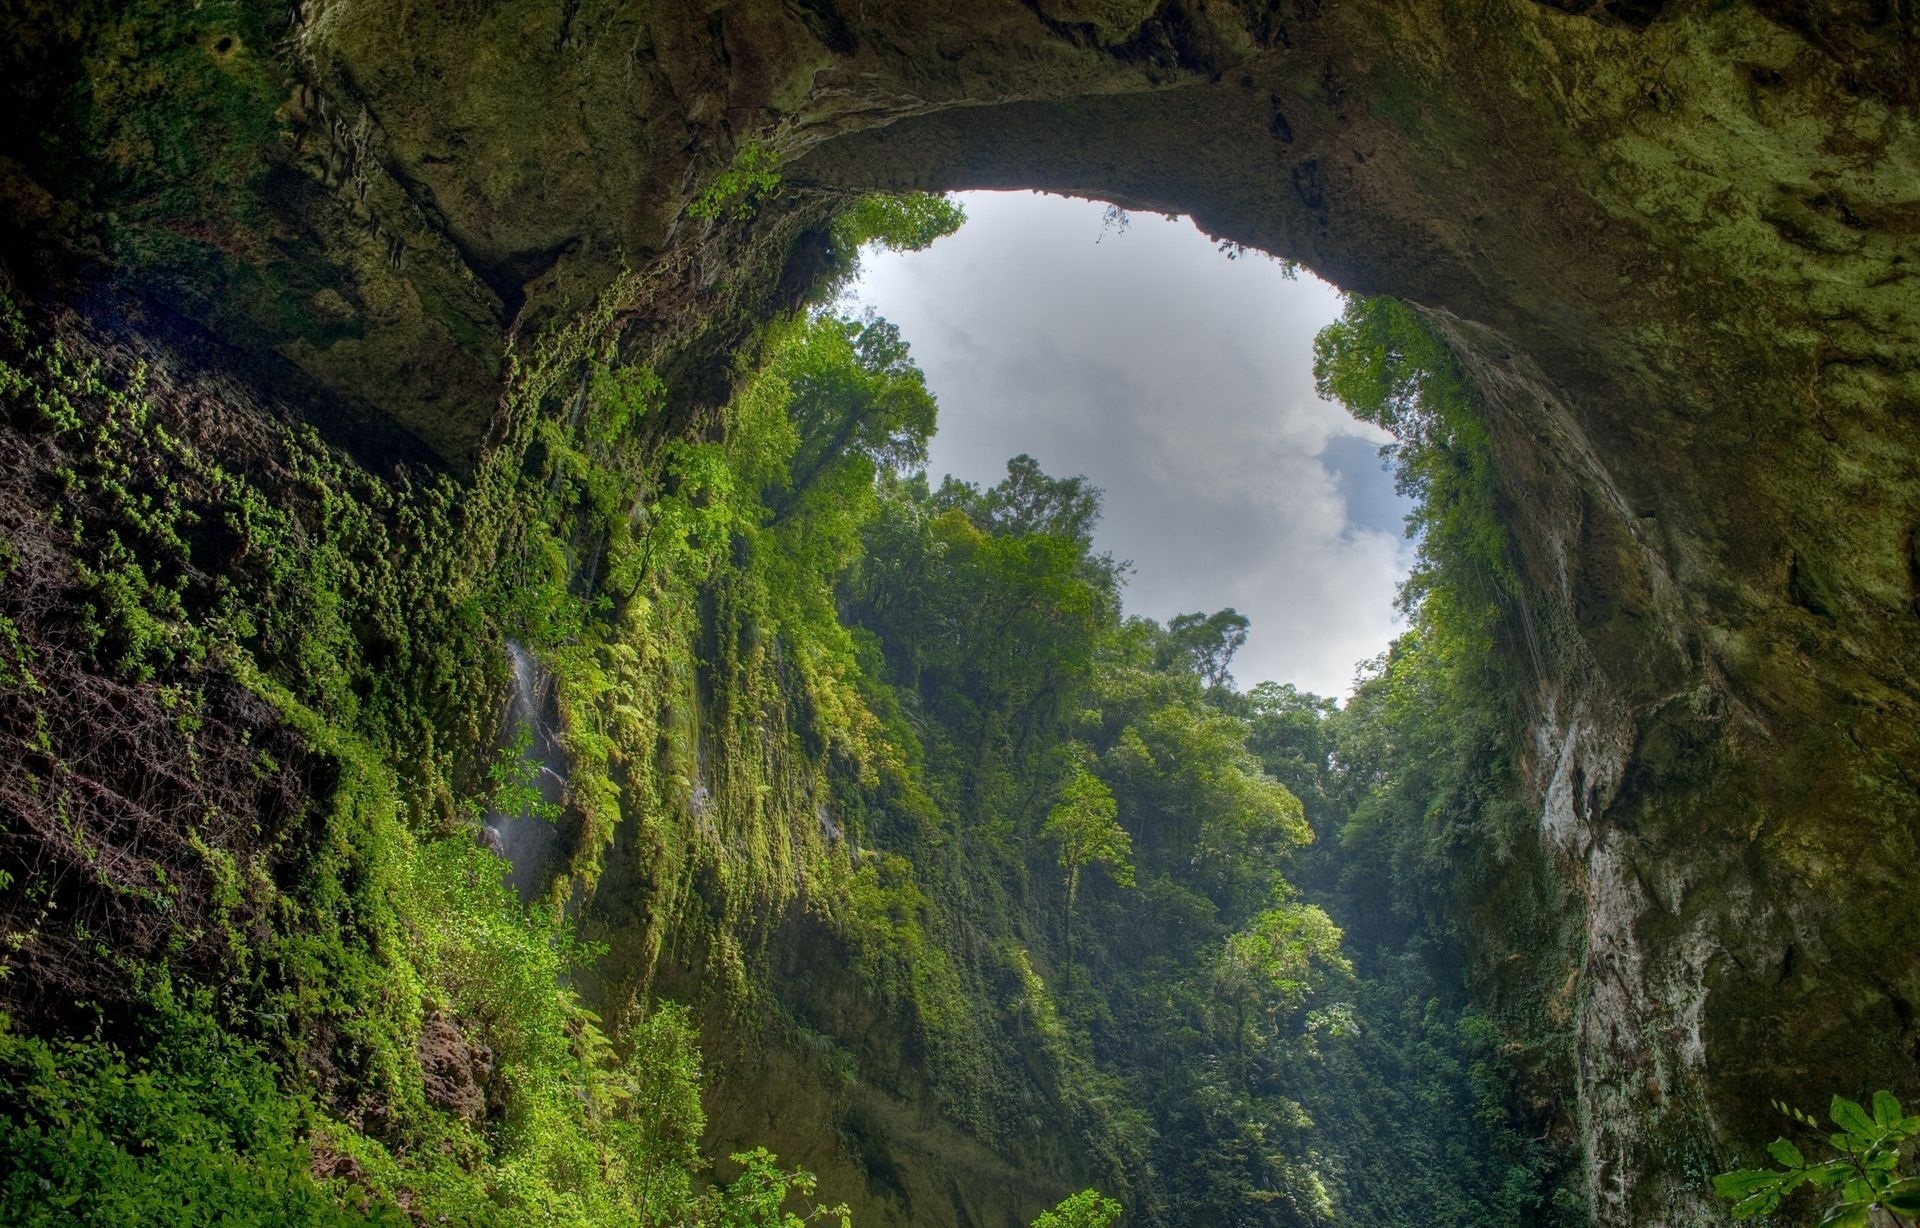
1181, 383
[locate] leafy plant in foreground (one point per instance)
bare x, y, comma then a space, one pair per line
1865, 1169
515, 775
1087, 1209
757, 1197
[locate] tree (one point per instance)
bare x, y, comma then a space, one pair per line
1388, 367
1029, 501
1087, 1209
906, 223
1086, 825
897, 223
855, 394
1291, 732
1274, 962
996, 629
1206, 642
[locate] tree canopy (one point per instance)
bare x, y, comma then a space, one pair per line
1206, 643
1084, 823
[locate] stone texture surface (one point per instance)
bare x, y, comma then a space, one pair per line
1677, 244
455, 1067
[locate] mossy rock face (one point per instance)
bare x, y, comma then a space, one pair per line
1676, 247
184, 149
1111, 20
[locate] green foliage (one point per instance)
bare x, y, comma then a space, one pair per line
1389, 368
1029, 502
194, 1129
380, 1024
905, 223
1273, 958
993, 622
908, 223
1087, 1209
659, 1117
856, 401
737, 193
618, 402
1413, 1101
1084, 824
809, 685
1206, 642
1863, 1175
1000, 628
757, 1197
514, 777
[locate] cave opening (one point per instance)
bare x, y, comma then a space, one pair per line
1174, 372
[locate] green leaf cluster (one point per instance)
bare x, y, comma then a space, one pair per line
1864, 1171
190, 1127
907, 223
1389, 368
885, 222
1087, 1209
737, 193
757, 1198
1084, 823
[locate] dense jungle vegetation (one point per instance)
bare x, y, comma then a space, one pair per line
1194, 945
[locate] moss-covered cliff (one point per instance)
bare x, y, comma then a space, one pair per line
1671, 245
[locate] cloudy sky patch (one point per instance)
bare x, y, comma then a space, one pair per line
1180, 382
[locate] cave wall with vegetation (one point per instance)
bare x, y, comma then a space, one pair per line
1669, 247
829, 737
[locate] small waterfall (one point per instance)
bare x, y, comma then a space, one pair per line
831, 830
530, 843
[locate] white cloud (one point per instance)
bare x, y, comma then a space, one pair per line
1181, 382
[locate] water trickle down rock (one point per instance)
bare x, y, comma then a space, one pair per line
530, 842
831, 830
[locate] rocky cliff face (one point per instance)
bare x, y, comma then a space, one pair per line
1677, 245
